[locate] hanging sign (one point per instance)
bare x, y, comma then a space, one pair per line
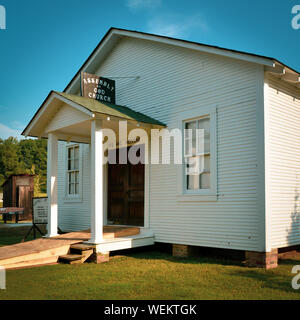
98, 88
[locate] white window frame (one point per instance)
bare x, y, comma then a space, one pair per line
73, 197
210, 194
188, 138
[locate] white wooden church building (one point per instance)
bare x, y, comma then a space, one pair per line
248, 196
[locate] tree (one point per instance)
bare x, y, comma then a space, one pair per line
18, 157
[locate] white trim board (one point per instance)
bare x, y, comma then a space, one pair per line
114, 35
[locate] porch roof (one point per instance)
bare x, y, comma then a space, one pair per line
88, 109
110, 109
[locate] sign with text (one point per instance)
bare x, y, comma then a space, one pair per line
98, 88
40, 210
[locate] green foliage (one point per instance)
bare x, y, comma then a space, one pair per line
24, 156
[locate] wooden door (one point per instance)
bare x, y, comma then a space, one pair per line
24, 200
126, 193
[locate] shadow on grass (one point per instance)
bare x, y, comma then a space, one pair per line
150, 253
267, 278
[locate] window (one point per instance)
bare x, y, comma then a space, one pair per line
197, 154
73, 171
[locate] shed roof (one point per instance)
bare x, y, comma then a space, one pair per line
17, 175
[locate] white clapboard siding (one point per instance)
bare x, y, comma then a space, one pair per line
64, 117
172, 81
74, 215
283, 165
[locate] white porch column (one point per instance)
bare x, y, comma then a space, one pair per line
96, 182
52, 185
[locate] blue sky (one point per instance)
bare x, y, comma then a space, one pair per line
46, 42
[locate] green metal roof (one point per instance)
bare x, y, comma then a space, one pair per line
110, 109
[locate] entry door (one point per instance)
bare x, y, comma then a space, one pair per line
126, 193
24, 200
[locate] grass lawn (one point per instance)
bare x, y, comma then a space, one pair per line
11, 235
150, 275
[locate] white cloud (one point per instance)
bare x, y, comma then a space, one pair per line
6, 132
176, 26
143, 4
17, 125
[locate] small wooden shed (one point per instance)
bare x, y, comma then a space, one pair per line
18, 192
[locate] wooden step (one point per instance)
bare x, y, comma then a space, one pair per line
86, 251
71, 258
81, 247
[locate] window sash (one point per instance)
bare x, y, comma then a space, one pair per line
197, 156
73, 171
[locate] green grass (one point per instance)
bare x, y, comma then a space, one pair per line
15, 235
41, 195
149, 275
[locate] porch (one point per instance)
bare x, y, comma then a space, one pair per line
75, 119
50, 250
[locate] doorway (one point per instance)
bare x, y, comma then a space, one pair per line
126, 184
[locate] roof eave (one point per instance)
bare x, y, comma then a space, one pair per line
116, 33
42, 109
28, 131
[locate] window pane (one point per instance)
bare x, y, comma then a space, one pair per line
188, 134
69, 164
77, 177
69, 177
76, 152
72, 188
207, 163
76, 164
69, 153
205, 124
193, 182
205, 180
192, 125
77, 188
200, 141
192, 166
